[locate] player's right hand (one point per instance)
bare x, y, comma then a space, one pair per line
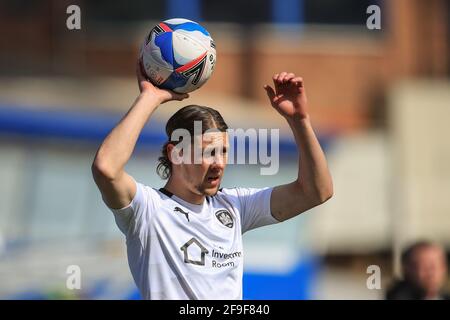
145, 86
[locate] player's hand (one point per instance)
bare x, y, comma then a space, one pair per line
289, 95
162, 95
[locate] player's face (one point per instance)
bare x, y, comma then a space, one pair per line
204, 178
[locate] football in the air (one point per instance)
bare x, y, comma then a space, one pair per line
178, 54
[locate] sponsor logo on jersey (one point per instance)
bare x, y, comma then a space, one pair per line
178, 209
222, 259
189, 247
225, 218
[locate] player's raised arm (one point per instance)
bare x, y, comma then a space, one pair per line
116, 186
313, 185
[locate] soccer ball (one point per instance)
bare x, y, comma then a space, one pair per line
178, 54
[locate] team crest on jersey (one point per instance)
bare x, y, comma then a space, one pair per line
225, 218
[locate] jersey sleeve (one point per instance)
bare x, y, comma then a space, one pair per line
254, 207
135, 217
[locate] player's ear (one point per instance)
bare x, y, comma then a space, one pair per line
169, 149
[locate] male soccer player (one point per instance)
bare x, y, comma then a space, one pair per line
184, 241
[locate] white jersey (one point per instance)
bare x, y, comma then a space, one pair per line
179, 250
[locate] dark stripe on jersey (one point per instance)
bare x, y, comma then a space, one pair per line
170, 194
166, 192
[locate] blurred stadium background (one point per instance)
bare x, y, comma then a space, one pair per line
380, 103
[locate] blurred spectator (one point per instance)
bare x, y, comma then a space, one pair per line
424, 267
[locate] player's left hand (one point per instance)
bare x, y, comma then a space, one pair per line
289, 95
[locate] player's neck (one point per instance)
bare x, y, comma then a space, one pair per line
182, 192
